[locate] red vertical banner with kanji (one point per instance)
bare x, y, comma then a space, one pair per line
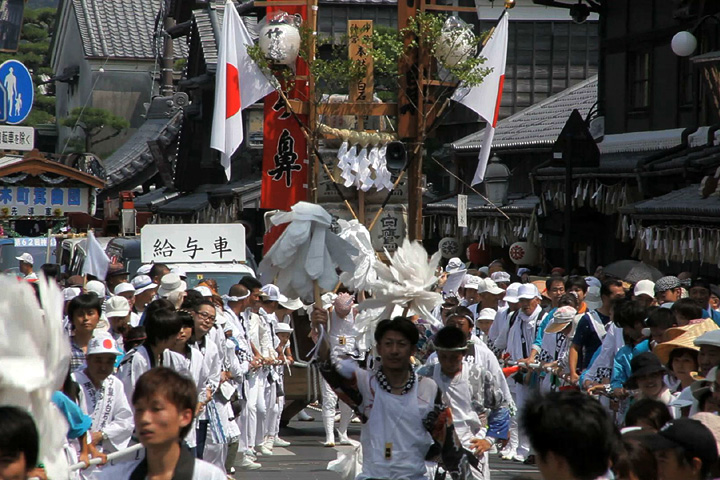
285, 155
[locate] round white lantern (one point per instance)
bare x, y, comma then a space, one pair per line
683, 44
456, 42
524, 253
280, 39
449, 247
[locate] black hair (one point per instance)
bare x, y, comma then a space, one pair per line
635, 460
156, 269
70, 388
552, 279
568, 300
134, 337
159, 304
177, 389
161, 325
576, 281
679, 352
191, 298
84, 301
461, 311
687, 308
661, 318
582, 432
627, 313
204, 301
607, 284
250, 282
450, 337
652, 412
186, 319
18, 434
402, 325
51, 270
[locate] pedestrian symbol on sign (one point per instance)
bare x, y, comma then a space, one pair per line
16, 92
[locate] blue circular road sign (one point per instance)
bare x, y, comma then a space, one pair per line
17, 92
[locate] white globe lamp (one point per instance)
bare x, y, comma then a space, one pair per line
683, 44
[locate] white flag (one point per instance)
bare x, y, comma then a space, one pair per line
239, 83
96, 261
485, 98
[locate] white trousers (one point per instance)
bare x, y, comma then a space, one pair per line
271, 406
522, 395
329, 400
263, 396
253, 408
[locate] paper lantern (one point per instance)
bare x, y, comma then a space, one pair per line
280, 38
524, 253
449, 247
456, 42
478, 255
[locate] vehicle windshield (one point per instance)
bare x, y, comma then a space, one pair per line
224, 280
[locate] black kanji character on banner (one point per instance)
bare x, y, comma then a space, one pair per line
192, 248
163, 249
285, 159
221, 246
280, 106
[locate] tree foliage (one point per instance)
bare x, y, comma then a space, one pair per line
91, 121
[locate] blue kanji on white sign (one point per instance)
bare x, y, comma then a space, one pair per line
18, 92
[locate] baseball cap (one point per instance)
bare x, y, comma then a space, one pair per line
455, 265
500, 277
273, 293
26, 258
511, 294
711, 338
123, 287
96, 287
593, 300
644, 287
204, 291
71, 292
528, 291
487, 314
142, 283
102, 343
489, 286
688, 434
666, 283
170, 283
283, 328
144, 269
561, 318
117, 307
473, 282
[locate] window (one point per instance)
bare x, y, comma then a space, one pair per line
639, 80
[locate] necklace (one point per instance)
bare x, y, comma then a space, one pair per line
385, 384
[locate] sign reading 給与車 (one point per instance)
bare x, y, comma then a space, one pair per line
202, 243
21, 201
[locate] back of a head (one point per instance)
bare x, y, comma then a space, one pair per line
647, 413
401, 325
627, 313
634, 460
687, 308
250, 283
568, 300
192, 298
161, 325
238, 290
461, 311
661, 318
51, 270
573, 426
157, 270
177, 389
450, 338
18, 434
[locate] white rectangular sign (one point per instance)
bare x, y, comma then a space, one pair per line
462, 211
21, 201
193, 243
17, 138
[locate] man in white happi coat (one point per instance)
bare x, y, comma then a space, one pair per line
103, 399
520, 339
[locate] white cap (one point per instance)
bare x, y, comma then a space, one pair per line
117, 307
179, 272
528, 291
473, 282
171, 283
455, 265
511, 294
26, 258
144, 269
142, 283
485, 270
489, 286
592, 299
487, 314
71, 292
273, 293
102, 343
96, 287
500, 277
593, 282
204, 291
292, 304
283, 328
123, 287
708, 338
560, 319
644, 287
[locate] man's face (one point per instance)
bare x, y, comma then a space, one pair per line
714, 301
255, 300
130, 296
269, 306
25, 268
145, 297
120, 324
650, 385
635, 333
643, 300
158, 422
579, 292
472, 296
204, 320
701, 295
490, 300
100, 366
556, 290
462, 323
672, 295
528, 305
183, 336
395, 350
616, 293
284, 337
670, 467
450, 362
86, 319
485, 325
13, 468
157, 278
708, 357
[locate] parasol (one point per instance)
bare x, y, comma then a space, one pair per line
632, 271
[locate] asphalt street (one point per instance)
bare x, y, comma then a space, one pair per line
307, 459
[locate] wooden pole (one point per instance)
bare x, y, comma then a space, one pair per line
314, 166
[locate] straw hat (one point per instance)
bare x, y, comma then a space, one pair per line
683, 337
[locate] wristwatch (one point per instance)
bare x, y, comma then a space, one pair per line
104, 435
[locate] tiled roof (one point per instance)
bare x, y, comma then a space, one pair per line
208, 22
539, 124
132, 163
121, 28
684, 204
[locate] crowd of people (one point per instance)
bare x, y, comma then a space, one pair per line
584, 376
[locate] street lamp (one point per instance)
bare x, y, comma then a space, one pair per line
684, 43
497, 181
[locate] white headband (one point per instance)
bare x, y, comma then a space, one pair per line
228, 298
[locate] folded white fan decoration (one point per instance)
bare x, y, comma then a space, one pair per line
307, 251
405, 283
34, 359
363, 274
